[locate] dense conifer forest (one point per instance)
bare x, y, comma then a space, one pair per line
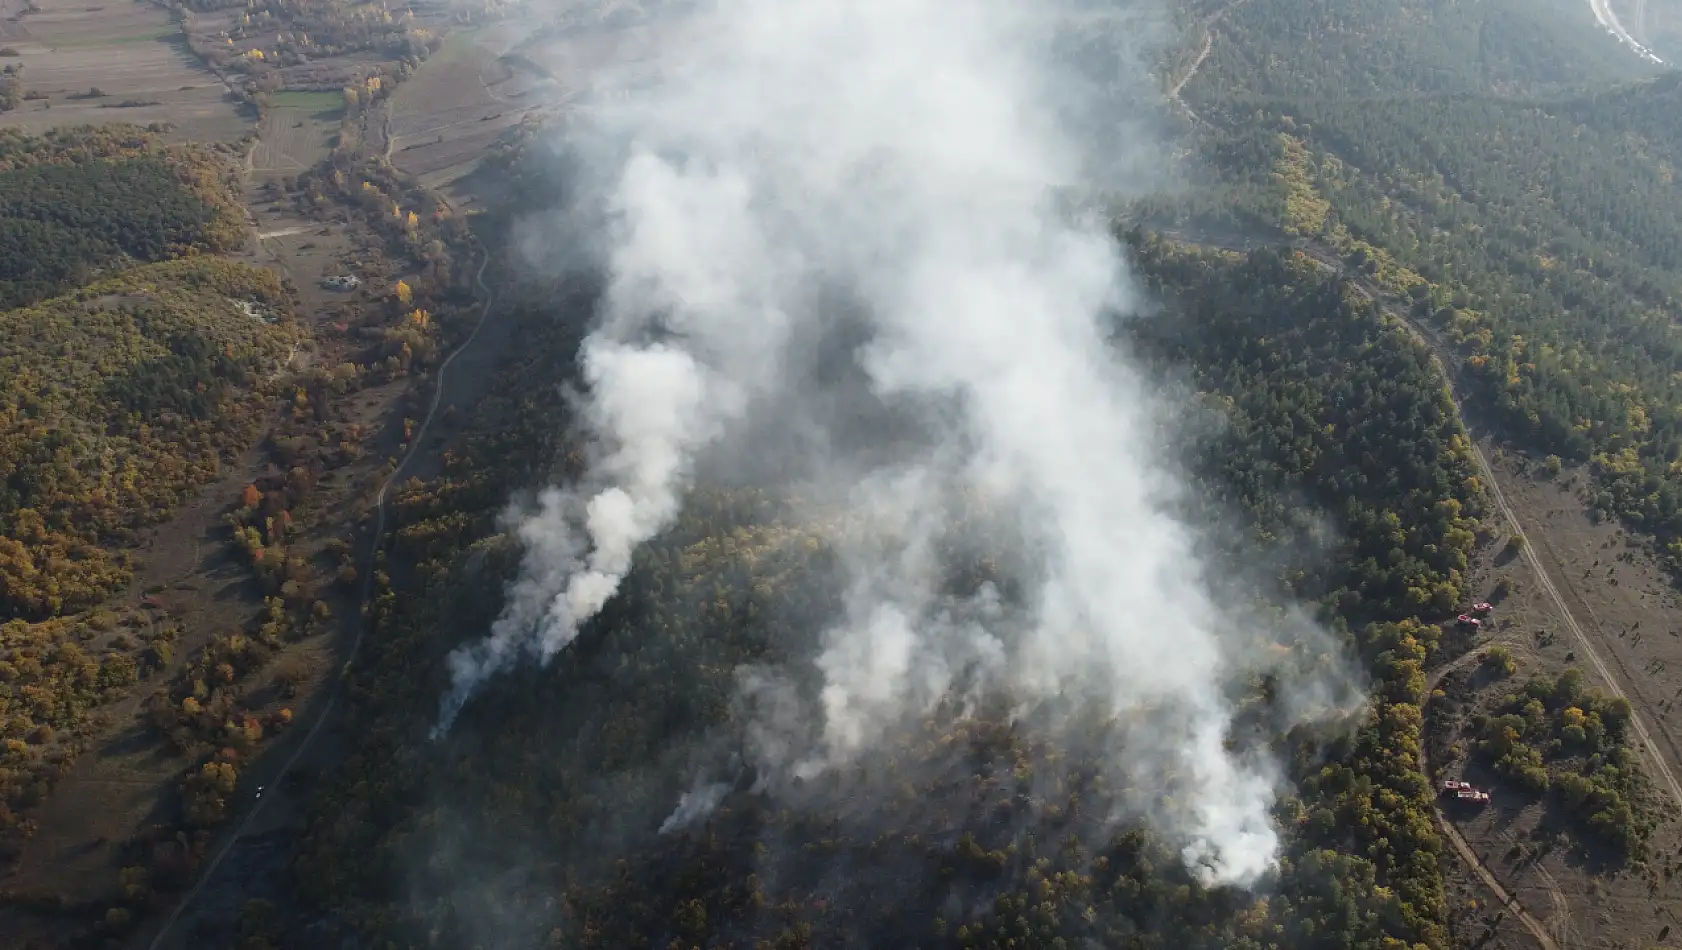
1534, 222
77, 202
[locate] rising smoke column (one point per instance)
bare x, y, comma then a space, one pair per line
907, 150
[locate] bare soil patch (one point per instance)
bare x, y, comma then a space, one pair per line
133, 53
115, 787
127, 780
1627, 606
1612, 583
484, 81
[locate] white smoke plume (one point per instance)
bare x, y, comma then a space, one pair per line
694, 805
909, 151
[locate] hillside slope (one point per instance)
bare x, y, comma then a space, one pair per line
115, 402
77, 201
537, 819
1360, 49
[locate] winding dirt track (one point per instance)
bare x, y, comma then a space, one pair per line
1440, 358
1197, 61
1583, 642
1464, 848
274, 782
1608, 18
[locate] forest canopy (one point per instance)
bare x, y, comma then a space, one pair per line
560, 779
114, 402
1533, 222
73, 203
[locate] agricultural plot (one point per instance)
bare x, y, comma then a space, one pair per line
443, 119
123, 61
296, 133
483, 82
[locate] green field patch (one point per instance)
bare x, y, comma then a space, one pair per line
147, 35
308, 100
460, 47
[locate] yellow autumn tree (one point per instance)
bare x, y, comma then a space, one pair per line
405, 295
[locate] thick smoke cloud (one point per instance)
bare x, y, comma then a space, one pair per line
908, 154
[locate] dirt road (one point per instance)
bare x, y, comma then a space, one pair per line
1608, 18
1464, 849
273, 781
1586, 647
1197, 61
1442, 358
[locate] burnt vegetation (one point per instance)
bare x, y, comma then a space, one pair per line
994, 835
1469, 163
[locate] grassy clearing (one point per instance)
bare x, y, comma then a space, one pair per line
457, 47
308, 100
292, 140
92, 41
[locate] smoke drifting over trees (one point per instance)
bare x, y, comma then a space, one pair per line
888, 169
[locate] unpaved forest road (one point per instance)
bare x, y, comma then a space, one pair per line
1464, 848
1197, 61
1663, 767
274, 782
1441, 357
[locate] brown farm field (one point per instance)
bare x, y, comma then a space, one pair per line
484, 81
296, 133
132, 52
444, 117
